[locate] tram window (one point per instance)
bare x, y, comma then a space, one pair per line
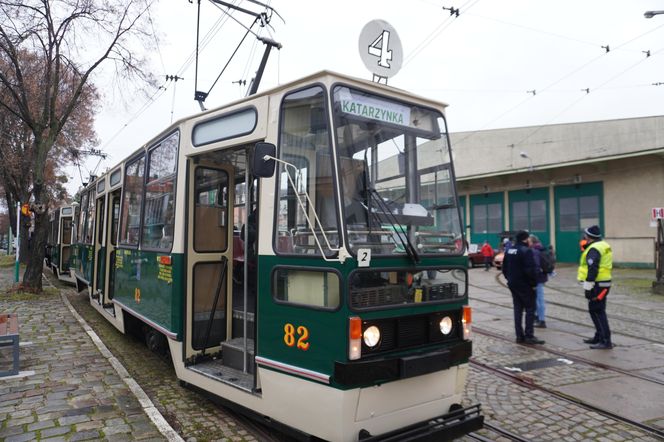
307, 287
81, 218
115, 220
131, 205
115, 177
90, 218
211, 210
304, 143
224, 127
159, 213
66, 231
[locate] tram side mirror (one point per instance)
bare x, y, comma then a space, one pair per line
260, 166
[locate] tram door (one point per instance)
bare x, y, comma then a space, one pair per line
112, 220
98, 240
209, 256
65, 243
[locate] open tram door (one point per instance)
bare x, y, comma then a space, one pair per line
65, 241
99, 246
209, 257
112, 221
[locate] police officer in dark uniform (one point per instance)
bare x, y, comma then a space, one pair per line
521, 273
595, 274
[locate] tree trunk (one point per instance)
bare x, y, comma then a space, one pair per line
25, 240
32, 279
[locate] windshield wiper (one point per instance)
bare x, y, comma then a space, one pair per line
394, 224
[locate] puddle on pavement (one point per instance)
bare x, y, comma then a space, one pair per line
541, 363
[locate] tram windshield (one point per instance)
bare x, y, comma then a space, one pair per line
396, 177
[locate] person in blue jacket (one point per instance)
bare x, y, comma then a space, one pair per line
520, 271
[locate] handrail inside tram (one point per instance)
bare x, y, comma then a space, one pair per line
342, 252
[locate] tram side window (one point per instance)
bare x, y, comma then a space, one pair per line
56, 227
159, 214
131, 203
81, 219
304, 143
90, 217
66, 231
306, 287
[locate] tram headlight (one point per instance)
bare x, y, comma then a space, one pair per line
446, 325
371, 336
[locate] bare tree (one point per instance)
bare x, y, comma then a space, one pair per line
49, 49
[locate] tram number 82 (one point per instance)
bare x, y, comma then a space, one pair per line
302, 333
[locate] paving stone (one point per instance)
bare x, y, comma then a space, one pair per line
84, 435
41, 425
55, 431
21, 437
69, 420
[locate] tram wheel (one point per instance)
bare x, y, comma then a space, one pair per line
155, 341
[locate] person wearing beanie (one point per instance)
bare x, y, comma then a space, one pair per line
519, 270
594, 273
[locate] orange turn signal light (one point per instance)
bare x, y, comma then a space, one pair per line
355, 327
467, 314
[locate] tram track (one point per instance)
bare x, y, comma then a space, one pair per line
574, 358
615, 317
581, 309
656, 432
498, 430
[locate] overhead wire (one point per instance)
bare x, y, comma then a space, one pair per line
564, 77
216, 27
582, 97
437, 31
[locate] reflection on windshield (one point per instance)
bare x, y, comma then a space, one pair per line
397, 188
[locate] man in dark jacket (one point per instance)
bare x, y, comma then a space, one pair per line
521, 273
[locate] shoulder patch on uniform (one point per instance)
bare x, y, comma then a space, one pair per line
590, 261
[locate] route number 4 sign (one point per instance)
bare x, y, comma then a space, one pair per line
380, 49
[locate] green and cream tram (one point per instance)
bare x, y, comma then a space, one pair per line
59, 243
300, 254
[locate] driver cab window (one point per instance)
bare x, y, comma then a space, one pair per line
307, 216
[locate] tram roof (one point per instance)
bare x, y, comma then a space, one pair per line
324, 76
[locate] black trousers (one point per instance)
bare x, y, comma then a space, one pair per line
597, 310
524, 300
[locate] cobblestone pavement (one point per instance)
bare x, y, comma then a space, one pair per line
636, 317
537, 416
74, 393
193, 416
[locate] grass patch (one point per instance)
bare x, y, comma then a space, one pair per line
7, 260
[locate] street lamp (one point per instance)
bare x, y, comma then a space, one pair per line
651, 14
525, 155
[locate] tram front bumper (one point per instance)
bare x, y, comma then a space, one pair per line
442, 428
358, 373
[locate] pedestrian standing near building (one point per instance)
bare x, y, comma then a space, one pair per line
540, 256
595, 273
487, 253
520, 271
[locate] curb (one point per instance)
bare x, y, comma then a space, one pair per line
148, 407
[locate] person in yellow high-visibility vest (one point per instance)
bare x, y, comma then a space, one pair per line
595, 275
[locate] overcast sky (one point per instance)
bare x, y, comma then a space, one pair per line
482, 63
